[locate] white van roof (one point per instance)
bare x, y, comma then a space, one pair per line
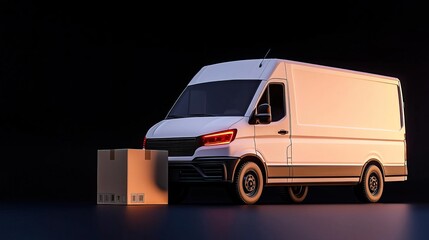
242, 69
260, 69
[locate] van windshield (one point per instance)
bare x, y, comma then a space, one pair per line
220, 98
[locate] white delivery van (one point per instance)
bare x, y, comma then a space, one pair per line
272, 122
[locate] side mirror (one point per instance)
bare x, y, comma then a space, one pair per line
263, 115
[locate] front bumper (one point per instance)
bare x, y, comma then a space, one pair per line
213, 169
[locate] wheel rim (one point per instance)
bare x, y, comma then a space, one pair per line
298, 191
373, 183
250, 183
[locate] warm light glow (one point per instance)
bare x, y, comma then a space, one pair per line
218, 138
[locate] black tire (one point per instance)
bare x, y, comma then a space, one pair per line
295, 194
177, 193
249, 183
371, 187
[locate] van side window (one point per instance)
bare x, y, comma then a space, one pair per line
274, 95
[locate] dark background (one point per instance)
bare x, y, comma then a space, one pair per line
80, 76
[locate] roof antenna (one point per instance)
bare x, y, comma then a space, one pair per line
260, 64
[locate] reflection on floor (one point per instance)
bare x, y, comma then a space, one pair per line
329, 213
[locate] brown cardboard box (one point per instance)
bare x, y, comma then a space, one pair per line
132, 176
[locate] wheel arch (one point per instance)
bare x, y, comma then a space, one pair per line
251, 158
372, 161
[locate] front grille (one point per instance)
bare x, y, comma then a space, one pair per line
175, 146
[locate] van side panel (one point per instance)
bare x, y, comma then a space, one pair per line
355, 106
340, 120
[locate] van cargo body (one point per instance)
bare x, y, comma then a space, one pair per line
273, 122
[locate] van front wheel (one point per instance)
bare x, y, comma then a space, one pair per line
249, 183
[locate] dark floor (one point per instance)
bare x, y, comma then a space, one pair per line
211, 215
306, 221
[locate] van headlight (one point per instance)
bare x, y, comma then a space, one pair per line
218, 138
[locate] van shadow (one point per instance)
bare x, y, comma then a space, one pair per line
219, 195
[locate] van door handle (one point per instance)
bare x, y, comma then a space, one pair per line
283, 132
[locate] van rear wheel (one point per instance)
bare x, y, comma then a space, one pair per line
371, 187
249, 183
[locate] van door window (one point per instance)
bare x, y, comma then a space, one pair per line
274, 95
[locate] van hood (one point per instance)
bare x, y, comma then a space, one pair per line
190, 127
